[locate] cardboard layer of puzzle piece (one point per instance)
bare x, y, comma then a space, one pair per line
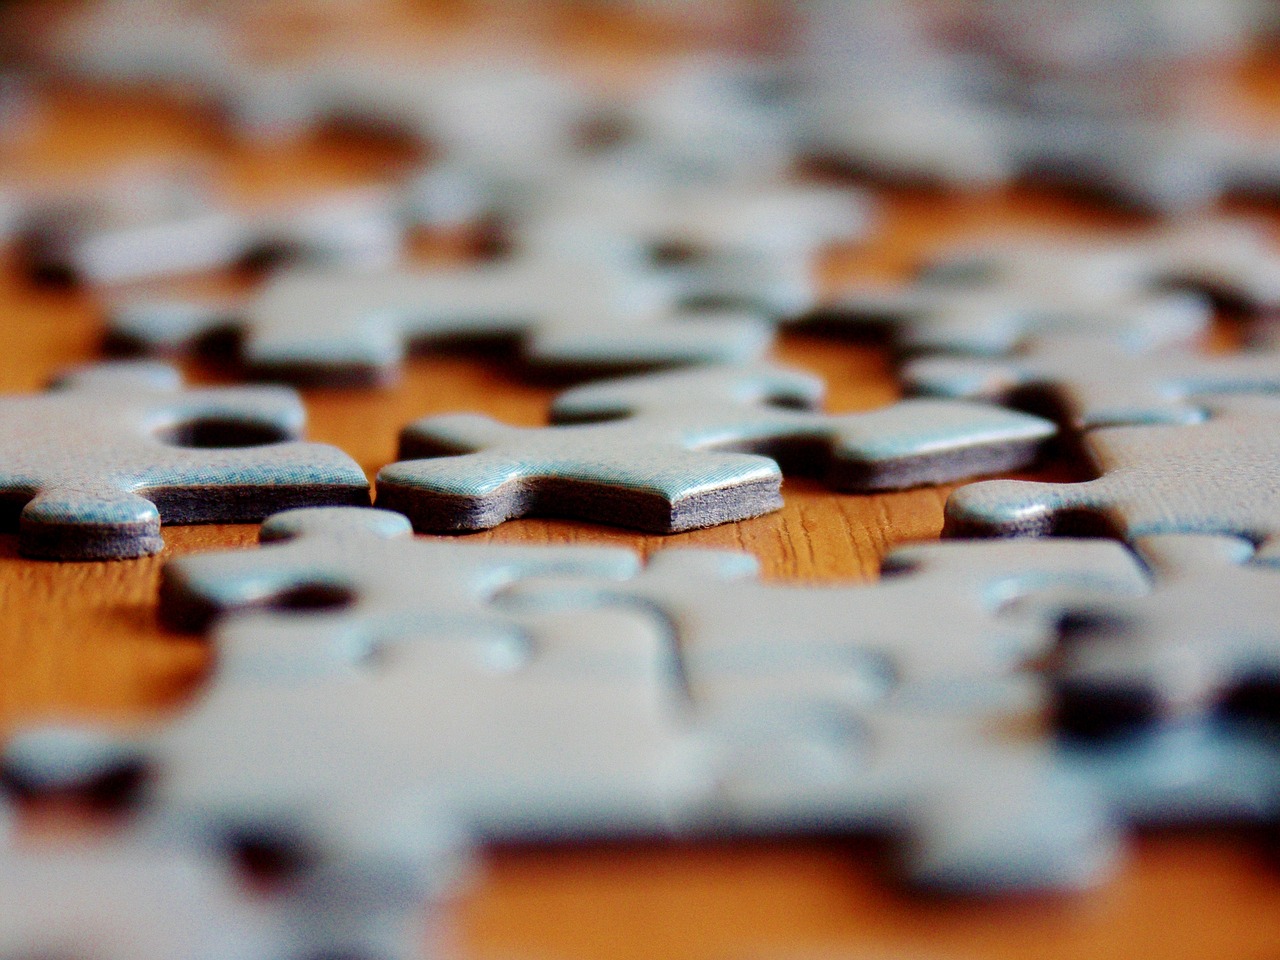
688, 449
1096, 383
566, 314
145, 224
95, 464
1213, 476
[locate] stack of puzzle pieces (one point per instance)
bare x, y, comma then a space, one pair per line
1072, 662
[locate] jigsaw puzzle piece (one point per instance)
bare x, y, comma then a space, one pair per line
1200, 773
1206, 637
341, 327
130, 902
672, 452
159, 887
974, 810
956, 310
1215, 476
158, 223
97, 462
944, 619
337, 582
1097, 383
1229, 260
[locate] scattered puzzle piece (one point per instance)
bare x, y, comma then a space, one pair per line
674, 458
945, 615
150, 224
1216, 476
988, 305
1230, 260
92, 466
356, 327
1097, 383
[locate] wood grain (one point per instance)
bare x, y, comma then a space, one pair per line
82, 639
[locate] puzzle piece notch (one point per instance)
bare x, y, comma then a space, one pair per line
95, 464
1095, 383
970, 615
150, 223
566, 314
678, 457
1212, 477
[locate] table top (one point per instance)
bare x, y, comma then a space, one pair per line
83, 639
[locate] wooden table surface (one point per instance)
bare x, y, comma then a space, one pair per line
82, 639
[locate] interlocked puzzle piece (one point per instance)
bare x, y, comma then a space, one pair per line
1231, 260
944, 615
1215, 476
430, 722
95, 464
329, 885
976, 810
1098, 383
144, 225
136, 896
671, 452
340, 326
370, 578
987, 305
131, 902
423, 718
1208, 632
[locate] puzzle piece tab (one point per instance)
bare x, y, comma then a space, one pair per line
344, 327
1215, 476
1096, 383
685, 449
92, 466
